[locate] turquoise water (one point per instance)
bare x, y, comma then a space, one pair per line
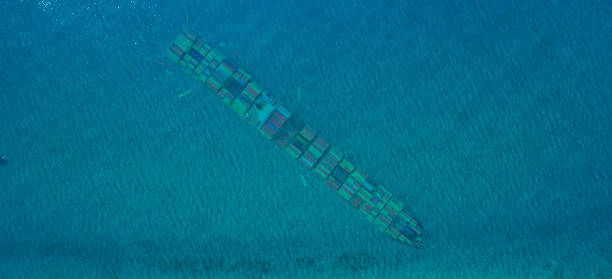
493, 120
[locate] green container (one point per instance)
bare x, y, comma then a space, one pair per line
201, 47
218, 60
185, 40
382, 221
240, 106
211, 54
189, 63
300, 142
347, 165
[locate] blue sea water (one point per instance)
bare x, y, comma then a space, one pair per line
492, 119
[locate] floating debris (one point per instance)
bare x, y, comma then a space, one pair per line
185, 93
169, 73
299, 94
222, 44
304, 180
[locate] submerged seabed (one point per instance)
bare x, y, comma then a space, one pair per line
492, 120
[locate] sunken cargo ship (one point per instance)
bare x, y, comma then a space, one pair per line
246, 97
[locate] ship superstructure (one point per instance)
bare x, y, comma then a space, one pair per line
247, 98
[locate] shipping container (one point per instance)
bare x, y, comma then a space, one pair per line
242, 77
200, 71
246, 98
375, 201
234, 86
314, 153
201, 47
340, 173
382, 221
176, 53
195, 55
185, 40
189, 63
288, 131
300, 142
241, 105
389, 212
329, 161
352, 184
275, 122
213, 85
210, 57
226, 96
223, 72
218, 60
